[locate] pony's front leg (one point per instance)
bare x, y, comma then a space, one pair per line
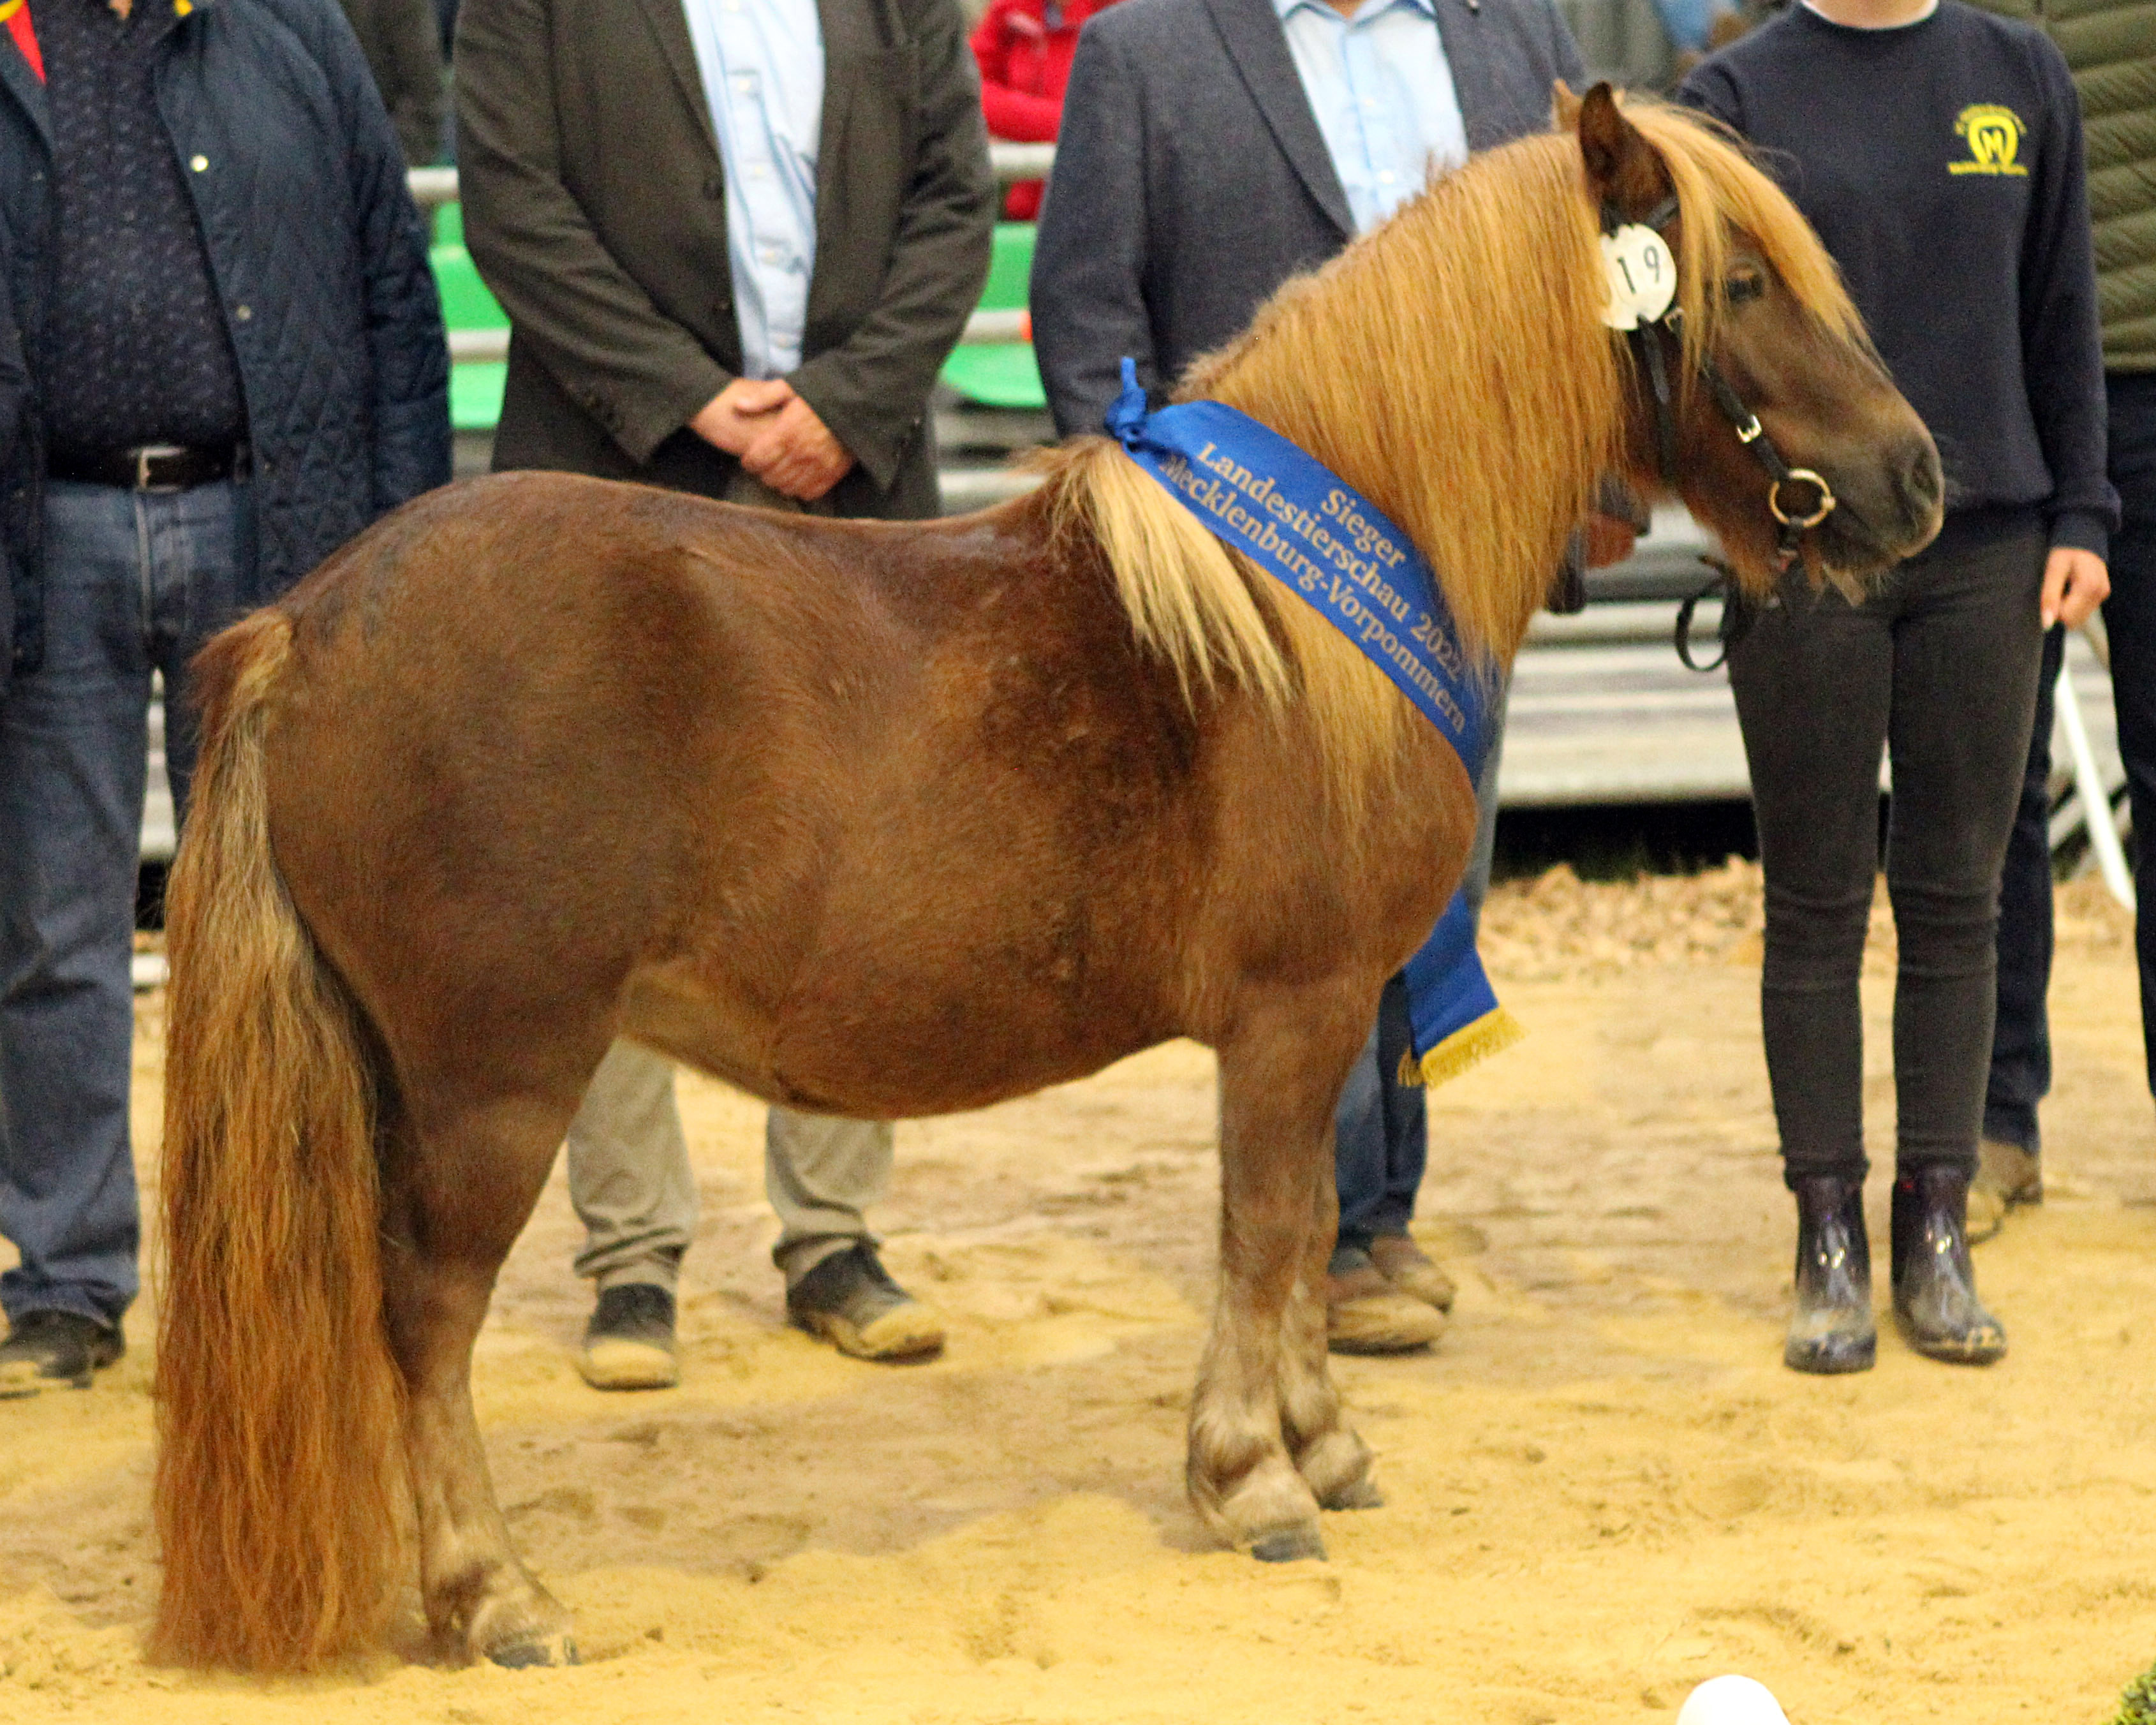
1278, 1085
464, 1197
1333, 1462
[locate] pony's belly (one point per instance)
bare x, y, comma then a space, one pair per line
879, 1051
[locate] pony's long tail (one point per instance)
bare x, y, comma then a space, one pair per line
279, 1412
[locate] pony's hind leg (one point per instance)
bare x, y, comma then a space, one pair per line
461, 1190
1333, 1462
1278, 1082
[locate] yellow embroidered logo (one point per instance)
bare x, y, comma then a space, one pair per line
1993, 136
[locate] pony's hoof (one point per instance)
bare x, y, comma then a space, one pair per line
525, 1656
1289, 1545
1356, 1494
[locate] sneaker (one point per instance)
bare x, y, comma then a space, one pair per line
46, 1349
1364, 1313
629, 1341
1411, 1269
850, 1301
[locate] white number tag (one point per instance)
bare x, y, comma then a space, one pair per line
1642, 276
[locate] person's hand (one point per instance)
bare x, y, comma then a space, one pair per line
731, 419
2075, 583
794, 453
1609, 539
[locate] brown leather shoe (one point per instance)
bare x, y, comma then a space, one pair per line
47, 1349
1366, 1314
2007, 1178
1412, 1270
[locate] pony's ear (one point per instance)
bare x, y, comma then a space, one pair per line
1623, 171
1565, 106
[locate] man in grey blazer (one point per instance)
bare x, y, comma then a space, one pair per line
1210, 149
735, 239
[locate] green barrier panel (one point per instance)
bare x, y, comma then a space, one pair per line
466, 304
474, 390
1001, 374
994, 374
475, 396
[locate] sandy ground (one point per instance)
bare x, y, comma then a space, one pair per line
1603, 1486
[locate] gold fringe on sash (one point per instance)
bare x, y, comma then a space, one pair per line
1469, 1045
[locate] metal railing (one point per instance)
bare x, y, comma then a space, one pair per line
434, 186
1010, 163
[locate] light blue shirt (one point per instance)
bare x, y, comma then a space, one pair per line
1382, 92
761, 62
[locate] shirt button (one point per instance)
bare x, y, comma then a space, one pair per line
242, 313
198, 163
757, 170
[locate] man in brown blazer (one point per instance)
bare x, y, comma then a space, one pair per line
735, 239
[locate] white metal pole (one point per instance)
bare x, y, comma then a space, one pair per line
2095, 800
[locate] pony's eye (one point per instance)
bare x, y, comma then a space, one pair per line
1743, 285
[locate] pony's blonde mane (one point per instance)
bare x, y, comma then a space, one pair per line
1477, 307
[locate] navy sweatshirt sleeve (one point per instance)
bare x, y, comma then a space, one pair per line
1942, 163
2062, 334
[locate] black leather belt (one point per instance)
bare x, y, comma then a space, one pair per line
150, 467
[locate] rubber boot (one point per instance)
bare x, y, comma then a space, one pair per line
1935, 1303
1831, 1330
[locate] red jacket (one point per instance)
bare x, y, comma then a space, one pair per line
1024, 47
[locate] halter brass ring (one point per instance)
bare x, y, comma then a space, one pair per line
1825, 499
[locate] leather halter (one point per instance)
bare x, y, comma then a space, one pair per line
1647, 347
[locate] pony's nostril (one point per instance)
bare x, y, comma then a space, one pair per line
1919, 475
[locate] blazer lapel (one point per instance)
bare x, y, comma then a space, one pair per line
1467, 52
671, 25
1252, 33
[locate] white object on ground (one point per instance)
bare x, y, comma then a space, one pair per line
1731, 1701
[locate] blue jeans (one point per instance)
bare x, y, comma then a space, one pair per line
1380, 1129
2021, 1050
134, 581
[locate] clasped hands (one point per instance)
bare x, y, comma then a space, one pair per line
776, 435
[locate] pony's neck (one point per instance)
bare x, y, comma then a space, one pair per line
1451, 367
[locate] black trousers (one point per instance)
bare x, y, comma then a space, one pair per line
2021, 1046
2021, 1037
1941, 667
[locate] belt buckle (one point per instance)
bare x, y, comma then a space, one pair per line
147, 453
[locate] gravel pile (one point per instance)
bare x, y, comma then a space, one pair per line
1557, 926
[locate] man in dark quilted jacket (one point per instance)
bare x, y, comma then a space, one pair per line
221, 356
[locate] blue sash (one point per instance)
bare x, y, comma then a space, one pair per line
1257, 492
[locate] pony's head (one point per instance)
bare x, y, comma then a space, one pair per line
1764, 328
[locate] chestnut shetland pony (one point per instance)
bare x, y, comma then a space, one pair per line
880, 820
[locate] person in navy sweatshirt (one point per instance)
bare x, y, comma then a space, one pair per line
1938, 150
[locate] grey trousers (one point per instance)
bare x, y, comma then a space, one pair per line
628, 1163
629, 1178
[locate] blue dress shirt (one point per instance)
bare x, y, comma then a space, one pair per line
1381, 89
762, 63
